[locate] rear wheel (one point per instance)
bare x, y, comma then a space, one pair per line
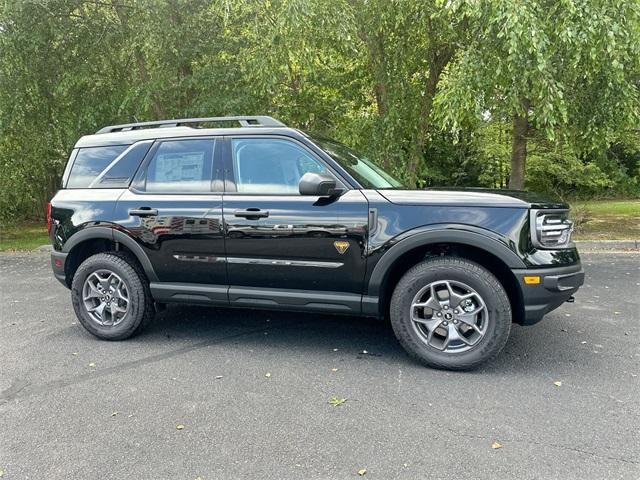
111, 296
451, 313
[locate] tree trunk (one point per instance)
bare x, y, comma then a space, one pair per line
439, 59
519, 147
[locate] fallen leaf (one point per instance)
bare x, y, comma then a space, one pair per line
557, 383
583, 343
74, 353
92, 364
496, 445
336, 402
114, 414
218, 377
179, 427
334, 369
362, 472
268, 375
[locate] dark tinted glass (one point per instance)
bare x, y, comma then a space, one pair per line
120, 174
90, 162
181, 166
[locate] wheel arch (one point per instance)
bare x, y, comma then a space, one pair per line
94, 240
484, 250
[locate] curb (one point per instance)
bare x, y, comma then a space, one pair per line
605, 245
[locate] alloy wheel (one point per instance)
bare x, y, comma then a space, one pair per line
449, 315
105, 297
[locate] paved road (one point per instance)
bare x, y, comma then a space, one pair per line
206, 369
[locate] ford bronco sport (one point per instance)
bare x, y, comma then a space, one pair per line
265, 216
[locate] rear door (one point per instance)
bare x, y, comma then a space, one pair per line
284, 248
174, 210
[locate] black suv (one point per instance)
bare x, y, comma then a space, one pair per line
265, 216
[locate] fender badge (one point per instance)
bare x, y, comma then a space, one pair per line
341, 246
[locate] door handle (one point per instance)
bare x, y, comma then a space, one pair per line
143, 212
251, 213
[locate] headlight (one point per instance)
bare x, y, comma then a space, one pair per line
551, 228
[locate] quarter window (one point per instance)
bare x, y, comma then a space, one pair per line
90, 162
121, 171
271, 166
181, 166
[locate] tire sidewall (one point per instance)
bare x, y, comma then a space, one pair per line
476, 277
134, 315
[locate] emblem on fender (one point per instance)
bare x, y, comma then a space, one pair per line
341, 246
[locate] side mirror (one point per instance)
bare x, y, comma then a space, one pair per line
318, 184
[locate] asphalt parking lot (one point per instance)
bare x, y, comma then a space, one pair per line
251, 391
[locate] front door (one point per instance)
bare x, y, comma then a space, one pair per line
284, 248
174, 210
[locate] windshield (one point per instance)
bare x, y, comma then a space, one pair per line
367, 173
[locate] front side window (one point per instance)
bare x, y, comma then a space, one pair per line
181, 166
90, 162
271, 166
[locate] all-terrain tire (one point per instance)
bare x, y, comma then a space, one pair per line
140, 311
454, 269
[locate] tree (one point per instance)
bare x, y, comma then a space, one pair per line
560, 67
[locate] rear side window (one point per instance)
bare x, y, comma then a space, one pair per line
181, 166
90, 162
119, 173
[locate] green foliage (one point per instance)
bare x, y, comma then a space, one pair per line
427, 88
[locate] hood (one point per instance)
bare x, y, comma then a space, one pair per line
478, 197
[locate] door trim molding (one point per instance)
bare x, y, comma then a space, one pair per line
281, 262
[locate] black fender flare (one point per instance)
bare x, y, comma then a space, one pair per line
113, 235
461, 234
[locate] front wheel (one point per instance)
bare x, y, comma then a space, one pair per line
111, 297
451, 313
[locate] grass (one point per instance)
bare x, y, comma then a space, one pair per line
595, 220
24, 236
607, 220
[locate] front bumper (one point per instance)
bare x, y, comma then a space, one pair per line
556, 286
58, 260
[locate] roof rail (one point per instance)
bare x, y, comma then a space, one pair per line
244, 121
